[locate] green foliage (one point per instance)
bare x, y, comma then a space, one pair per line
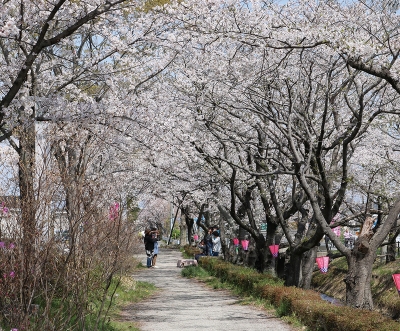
189, 251
176, 233
194, 271
283, 309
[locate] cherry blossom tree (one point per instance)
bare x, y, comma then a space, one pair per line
265, 112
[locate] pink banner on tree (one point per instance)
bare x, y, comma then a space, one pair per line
245, 244
396, 278
323, 262
274, 250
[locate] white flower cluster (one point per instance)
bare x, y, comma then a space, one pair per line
9, 28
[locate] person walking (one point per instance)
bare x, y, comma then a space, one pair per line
149, 241
348, 238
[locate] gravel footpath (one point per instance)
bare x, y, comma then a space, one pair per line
184, 304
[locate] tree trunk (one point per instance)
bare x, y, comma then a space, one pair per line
293, 269
308, 268
73, 211
391, 248
270, 240
391, 251
183, 230
188, 222
26, 172
189, 227
300, 253
261, 251
358, 279
360, 262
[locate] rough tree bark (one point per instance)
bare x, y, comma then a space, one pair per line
26, 168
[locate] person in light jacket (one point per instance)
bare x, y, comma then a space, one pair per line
216, 240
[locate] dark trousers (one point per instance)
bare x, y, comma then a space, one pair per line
209, 249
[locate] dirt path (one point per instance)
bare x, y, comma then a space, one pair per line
184, 304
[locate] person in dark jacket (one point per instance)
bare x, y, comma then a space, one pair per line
149, 241
208, 242
202, 245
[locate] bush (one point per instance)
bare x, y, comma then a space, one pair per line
190, 251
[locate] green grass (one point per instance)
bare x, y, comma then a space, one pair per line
128, 293
132, 291
194, 272
201, 274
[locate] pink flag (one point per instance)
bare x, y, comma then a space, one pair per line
274, 250
396, 278
245, 244
195, 237
323, 262
236, 241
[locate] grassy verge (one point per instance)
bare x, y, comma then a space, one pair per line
129, 293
